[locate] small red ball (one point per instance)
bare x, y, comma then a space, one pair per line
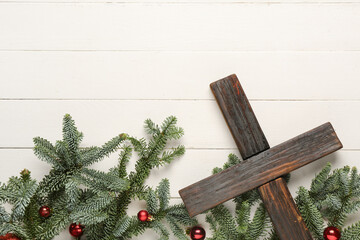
144, 216
76, 230
44, 211
9, 236
197, 233
332, 233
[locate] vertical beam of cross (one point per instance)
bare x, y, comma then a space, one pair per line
250, 141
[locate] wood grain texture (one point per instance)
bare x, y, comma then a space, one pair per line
283, 211
198, 27
260, 169
100, 77
251, 140
239, 116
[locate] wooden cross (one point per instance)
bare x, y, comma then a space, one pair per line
263, 167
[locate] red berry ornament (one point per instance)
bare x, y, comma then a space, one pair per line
76, 230
144, 216
197, 233
9, 236
332, 233
44, 211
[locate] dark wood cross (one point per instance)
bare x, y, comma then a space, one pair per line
263, 167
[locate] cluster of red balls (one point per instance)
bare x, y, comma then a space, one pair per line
196, 233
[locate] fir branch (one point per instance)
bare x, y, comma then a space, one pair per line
151, 128
169, 156
152, 202
178, 232
4, 216
124, 158
103, 181
135, 228
72, 192
121, 226
259, 224
92, 206
72, 137
160, 229
243, 218
351, 232
179, 212
310, 213
52, 226
68, 159
226, 222
169, 129
105, 150
318, 182
163, 191
47, 155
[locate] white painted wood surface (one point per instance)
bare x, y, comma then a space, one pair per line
112, 64
194, 27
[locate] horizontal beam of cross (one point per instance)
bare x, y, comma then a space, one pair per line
260, 169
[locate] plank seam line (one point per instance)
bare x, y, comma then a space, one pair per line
187, 148
183, 51
178, 99
186, 3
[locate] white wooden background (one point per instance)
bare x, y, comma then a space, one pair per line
113, 63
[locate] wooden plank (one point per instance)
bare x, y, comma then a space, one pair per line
294, 75
283, 211
260, 169
239, 116
204, 126
229, 27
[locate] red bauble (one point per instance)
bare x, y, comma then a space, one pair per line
332, 233
44, 211
76, 230
144, 216
197, 233
9, 236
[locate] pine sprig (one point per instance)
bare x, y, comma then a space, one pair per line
98, 199
176, 216
351, 232
95, 198
259, 225
311, 215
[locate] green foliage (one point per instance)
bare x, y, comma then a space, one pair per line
18, 192
99, 200
96, 199
225, 225
311, 214
352, 232
332, 197
176, 216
